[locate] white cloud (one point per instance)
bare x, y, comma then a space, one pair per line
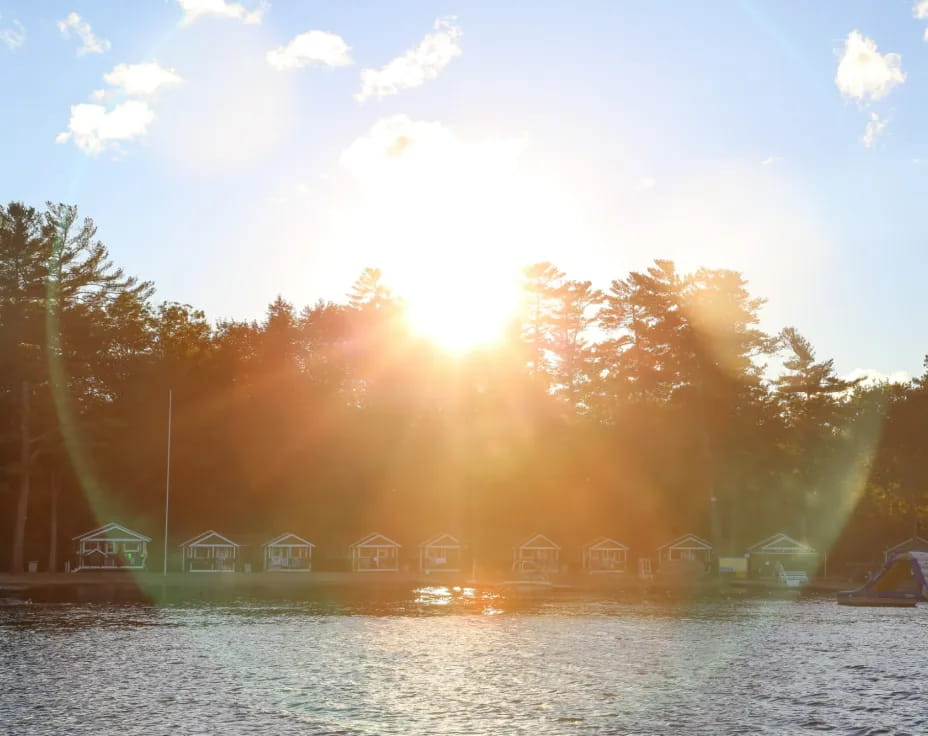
920, 11
195, 9
874, 129
770, 160
312, 47
646, 183
871, 376
13, 36
863, 72
416, 66
90, 44
141, 80
95, 130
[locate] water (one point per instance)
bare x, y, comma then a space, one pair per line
444, 662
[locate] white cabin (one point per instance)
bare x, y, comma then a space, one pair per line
288, 553
375, 553
210, 552
441, 553
603, 555
779, 553
539, 550
688, 547
111, 547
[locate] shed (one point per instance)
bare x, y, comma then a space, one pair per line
441, 553
689, 547
288, 553
605, 554
375, 553
540, 551
210, 552
779, 553
111, 547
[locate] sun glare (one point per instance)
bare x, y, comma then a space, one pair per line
465, 315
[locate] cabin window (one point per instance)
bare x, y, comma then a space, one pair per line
130, 547
109, 548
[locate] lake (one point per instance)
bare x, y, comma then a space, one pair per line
440, 661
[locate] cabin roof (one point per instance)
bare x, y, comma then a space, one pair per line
201, 538
442, 540
279, 540
376, 539
916, 542
687, 541
781, 543
97, 534
605, 543
539, 541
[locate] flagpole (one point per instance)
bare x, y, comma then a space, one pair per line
167, 480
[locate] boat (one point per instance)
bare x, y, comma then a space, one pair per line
528, 578
901, 583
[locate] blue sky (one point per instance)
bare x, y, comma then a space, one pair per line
598, 137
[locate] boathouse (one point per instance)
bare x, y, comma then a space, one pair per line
210, 552
779, 554
689, 547
604, 555
375, 553
111, 547
540, 551
441, 553
288, 553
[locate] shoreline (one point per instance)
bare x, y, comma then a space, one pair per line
120, 585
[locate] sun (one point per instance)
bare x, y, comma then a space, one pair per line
463, 315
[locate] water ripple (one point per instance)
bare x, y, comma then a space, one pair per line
436, 662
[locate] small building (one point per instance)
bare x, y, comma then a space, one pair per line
375, 553
689, 548
605, 554
780, 553
540, 551
912, 544
441, 553
111, 547
210, 552
288, 553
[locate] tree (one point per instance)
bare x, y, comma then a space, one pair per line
541, 283
54, 275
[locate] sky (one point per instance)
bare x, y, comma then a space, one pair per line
234, 151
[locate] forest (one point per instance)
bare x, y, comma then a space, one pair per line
643, 410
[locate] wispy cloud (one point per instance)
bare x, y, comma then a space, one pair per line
771, 160
874, 129
90, 44
94, 129
196, 9
12, 36
142, 80
311, 48
416, 66
863, 72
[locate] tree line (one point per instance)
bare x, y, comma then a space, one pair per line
643, 410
